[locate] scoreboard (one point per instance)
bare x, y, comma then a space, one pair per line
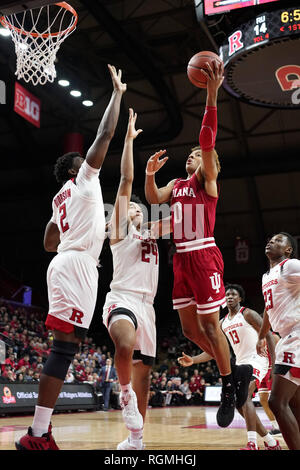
261, 29
262, 59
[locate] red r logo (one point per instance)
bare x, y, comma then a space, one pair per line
76, 316
289, 358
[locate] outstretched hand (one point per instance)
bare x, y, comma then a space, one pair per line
154, 163
214, 74
185, 360
117, 79
132, 133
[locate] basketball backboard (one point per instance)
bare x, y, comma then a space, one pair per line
12, 6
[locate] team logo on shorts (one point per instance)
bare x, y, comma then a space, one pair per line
111, 307
215, 282
289, 358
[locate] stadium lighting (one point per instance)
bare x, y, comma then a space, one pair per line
88, 103
64, 83
75, 93
4, 32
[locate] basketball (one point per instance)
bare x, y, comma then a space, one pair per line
198, 63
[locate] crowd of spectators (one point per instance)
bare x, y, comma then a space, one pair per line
28, 345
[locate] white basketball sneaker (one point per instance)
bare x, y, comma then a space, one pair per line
131, 415
127, 445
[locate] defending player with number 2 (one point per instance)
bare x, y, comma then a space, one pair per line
198, 290
76, 232
128, 312
281, 290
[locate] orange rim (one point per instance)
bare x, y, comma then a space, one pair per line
64, 5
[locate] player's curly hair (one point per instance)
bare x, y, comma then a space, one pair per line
238, 288
293, 244
216, 156
63, 165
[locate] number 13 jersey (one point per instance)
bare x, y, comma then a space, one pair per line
243, 338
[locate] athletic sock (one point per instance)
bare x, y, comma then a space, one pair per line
126, 388
41, 420
269, 440
227, 381
274, 424
252, 437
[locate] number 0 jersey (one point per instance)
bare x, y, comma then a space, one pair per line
281, 291
135, 262
243, 338
193, 215
78, 212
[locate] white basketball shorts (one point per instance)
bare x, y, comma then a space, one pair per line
142, 308
72, 280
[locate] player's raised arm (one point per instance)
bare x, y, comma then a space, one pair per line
119, 218
155, 195
207, 138
97, 152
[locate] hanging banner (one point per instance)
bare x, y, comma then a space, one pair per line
27, 105
241, 250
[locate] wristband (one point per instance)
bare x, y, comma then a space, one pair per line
150, 173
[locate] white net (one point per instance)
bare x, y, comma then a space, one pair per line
37, 35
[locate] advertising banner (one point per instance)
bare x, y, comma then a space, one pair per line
17, 398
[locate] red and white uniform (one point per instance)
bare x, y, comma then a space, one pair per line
72, 275
243, 338
197, 264
281, 290
134, 286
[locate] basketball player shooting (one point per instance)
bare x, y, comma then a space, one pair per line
198, 290
128, 312
281, 290
76, 232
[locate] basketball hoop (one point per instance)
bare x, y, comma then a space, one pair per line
37, 35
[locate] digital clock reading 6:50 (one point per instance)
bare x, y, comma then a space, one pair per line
289, 16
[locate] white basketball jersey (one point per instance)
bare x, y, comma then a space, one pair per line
281, 291
242, 337
135, 262
78, 212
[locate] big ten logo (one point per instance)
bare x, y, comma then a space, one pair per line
27, 105
2, 92
288, 77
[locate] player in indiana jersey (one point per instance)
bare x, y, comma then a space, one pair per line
281, 290
198, 290
241, 326
76, 232
128, 312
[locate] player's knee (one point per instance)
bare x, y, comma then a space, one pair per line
124, 347
210, 332
276, 406
59, 360
188, 333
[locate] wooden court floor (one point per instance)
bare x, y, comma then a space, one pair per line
171, 428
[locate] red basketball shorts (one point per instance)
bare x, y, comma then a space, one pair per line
198, 280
